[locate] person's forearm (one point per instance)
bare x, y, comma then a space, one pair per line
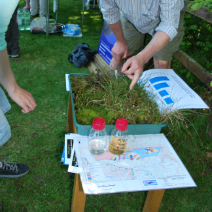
159, 40
7, 78
117, 31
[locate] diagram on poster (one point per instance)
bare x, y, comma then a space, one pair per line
150, 163
170, 91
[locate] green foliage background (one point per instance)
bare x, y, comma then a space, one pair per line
197, 40
197, 4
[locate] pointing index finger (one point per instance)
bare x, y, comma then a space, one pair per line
136, 77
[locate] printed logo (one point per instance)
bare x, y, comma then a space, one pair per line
150, 182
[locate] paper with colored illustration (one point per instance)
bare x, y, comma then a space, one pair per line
169, 91
150, 163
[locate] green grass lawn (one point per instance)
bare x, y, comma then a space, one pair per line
38, 137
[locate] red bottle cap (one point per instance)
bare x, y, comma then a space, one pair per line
121, 124
98, 124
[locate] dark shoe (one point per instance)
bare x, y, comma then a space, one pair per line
91, 2
14, 55
35, 16
50, 16
12, 170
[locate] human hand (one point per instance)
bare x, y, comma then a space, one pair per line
133, 68
119, 51
23, 98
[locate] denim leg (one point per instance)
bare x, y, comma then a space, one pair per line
12, 35
5, 132
42, 8
34, 7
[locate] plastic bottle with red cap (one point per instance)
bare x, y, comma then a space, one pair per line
98, 137
118, 140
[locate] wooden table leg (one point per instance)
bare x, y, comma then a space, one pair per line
209, 128
70, 123
153, 200
78, 198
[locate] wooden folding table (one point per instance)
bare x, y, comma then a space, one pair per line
153, 200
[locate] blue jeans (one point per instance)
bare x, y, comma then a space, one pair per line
12, 35
5, 132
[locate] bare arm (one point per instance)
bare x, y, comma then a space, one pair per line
119, 50
155, 45
117, 31
133, 67
6, 76
22, 97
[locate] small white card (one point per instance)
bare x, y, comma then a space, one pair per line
67, 82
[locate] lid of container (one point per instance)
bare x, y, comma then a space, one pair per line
98, 124
121, 124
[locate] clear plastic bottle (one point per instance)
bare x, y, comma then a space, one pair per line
26, 15
98, 137
118, 140
20, 20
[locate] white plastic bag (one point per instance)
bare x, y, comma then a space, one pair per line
38, 24
52, 26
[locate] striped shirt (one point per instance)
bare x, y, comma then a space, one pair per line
148, 16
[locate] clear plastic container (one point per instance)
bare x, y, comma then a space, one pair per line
26, 15
98, 137
20, 19
118, 140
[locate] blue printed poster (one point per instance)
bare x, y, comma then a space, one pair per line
107, 40
169, 91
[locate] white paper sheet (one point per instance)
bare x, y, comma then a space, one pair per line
150, 163
73, 167
70, 155
170, 91
69, 144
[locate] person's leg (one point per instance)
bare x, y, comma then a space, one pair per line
8, 169
5, 132
42, 11
34, 7
27, 4
8, 39
12, 36
162, 60
162, 64
134, 40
